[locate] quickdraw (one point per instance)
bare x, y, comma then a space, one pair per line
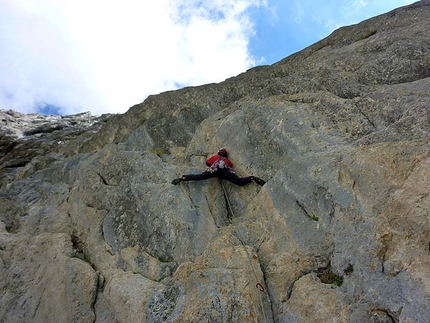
260, 287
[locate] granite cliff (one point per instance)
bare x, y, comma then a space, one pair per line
92, 230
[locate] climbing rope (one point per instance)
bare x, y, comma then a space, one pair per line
258, 284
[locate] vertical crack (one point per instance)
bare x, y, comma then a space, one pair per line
99, 289
79, 252
103, 179
258, 284
310, 216
366, 117
230, 215
272, 311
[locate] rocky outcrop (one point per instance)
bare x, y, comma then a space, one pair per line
92, 230
26, 136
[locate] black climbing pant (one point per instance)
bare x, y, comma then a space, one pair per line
221, 174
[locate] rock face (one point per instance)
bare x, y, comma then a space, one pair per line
92, 230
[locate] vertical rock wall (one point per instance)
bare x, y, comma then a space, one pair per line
92, 230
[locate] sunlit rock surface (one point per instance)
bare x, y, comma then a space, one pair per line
92, 230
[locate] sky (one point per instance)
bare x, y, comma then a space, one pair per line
104, 56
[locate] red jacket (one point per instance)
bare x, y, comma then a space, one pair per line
214, 161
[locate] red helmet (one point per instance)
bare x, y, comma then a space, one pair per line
223, 152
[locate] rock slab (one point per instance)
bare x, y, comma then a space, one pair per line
92, 230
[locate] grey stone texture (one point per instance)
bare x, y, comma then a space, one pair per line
92, 230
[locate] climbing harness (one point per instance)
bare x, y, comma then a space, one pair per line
258, 285
219, 164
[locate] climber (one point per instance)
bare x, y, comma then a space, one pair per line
221, 167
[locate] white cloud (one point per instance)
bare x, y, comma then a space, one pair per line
324, 17
105, 56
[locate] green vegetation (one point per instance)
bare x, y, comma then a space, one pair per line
157, 151
327, 276
310, 216
349, 270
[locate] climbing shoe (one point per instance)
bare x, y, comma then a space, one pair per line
176, 181
257, 180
